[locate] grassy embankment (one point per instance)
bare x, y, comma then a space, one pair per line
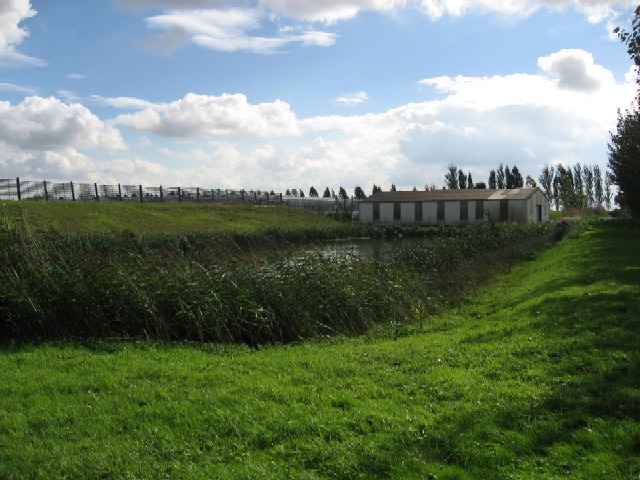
153, 218
535, 377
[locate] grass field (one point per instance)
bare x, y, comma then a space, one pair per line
537, 376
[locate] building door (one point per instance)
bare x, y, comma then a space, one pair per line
539, 213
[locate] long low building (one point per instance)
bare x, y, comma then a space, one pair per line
436, 207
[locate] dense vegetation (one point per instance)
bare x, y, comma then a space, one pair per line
535, 376
237, 286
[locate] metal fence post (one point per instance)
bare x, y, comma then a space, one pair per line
95, 187
46, 194
179, 195
161, 194
73, 193
119, 192
140, 190
18, 188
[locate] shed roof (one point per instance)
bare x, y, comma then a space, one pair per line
452, 195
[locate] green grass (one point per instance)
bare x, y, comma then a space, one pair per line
150, 219
538, 376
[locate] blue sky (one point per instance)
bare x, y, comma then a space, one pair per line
281, 94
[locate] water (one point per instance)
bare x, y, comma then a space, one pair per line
371, 249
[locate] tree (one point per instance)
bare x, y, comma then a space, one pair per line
480, 186
624, 160
313, 192
288, 192
578, 187
607, 191
516, 178
393, 187
327, 193
469, 181
530, 182
376, 189
462, 180
598, 193
500, 177
492, 180
508, 178
451, 177
546, 181
342, 193
587, 183
301, 193
624, 148
359, 193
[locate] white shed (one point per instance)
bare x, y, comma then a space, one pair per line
435, 207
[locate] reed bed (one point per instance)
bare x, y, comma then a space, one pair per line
239, 287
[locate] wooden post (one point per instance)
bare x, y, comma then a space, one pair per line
73, 193
179, 195
95, 187
197, 194
140, 190
46, 193
160, 193
119, 192
18, 187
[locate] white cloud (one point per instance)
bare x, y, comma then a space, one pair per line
352, 99
575, 70
12, 13
10, 87
230, 26
48, 124
596, 11
331, 11
128, 102
209, 116
227, 30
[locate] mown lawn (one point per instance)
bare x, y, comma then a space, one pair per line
536, 377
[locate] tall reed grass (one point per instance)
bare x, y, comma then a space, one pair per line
253, 288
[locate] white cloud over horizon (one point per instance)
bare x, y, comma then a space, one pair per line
559, 109
561, 114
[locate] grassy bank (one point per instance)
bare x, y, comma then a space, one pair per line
535, 377
150, 219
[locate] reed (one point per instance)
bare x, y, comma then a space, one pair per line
236, 286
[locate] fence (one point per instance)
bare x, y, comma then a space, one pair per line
326, 206
16, 189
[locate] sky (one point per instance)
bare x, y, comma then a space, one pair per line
283, 94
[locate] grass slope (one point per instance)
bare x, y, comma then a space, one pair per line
538, 377
153, 218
